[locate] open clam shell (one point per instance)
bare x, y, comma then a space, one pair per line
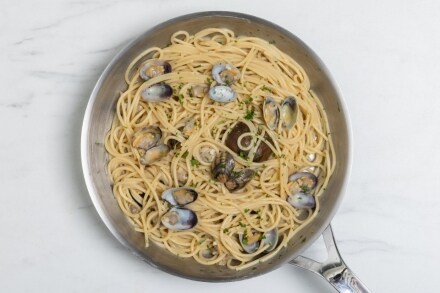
271, 113
179, 219
147, 137
223, 165
153, 68
154, 154
180, 196
288, 112
302, 200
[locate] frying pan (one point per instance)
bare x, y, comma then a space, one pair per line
99, 115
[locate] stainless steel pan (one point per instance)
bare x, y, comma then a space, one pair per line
97, 121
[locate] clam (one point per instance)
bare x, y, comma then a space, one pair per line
182, 175
147, 137
304, 181
271, 113
271, 238
189, 127
199, 91
225, 73
157, 93
207, 154
223, 165
249, 244
288, 112
302, 200
238, 180
263, 151
180, 196
179, 219
154, 68
222, 94
154, 154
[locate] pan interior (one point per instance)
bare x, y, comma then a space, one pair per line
100, 113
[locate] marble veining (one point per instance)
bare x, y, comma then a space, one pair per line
385, 57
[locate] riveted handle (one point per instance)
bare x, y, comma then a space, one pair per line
334, 269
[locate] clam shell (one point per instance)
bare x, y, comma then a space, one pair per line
271, 239
223, 165
180, 196
249, 248
147, 137
271, 113
179, 219
222, 94
154, 154
263, 151
157, 93
302, 200
308, 179
225, 73
288, 112
238, 180
154, 68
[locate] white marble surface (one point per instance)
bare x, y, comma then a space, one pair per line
385, 56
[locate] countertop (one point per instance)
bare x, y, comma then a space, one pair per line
385, 56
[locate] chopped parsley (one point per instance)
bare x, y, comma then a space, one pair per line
181, 98
265, 88
228, 82
185, 154
209, 80
248, 100
262, 236
226, 230
245, 239
242, 225
194, 162
304, 188
243, 155
249, 114
246, 210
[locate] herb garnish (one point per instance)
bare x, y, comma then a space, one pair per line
194, 162
181, 98
246, 210
249, 114
304, 188
265, 88
248, 100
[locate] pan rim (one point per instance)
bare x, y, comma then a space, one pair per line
85, 154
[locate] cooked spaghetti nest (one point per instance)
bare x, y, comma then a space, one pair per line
223, 215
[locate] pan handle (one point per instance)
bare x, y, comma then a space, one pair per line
334, 270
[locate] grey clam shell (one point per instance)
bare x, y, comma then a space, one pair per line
157, 93
147, 137
302, 200
225, 73
180, 196
238, 180
154, 154
271, 239
154, 68
249, 248
310, 180
179, 219
222, 94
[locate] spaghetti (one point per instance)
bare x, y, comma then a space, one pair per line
198, 129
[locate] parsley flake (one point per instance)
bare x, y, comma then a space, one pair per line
194, 162
249, 114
